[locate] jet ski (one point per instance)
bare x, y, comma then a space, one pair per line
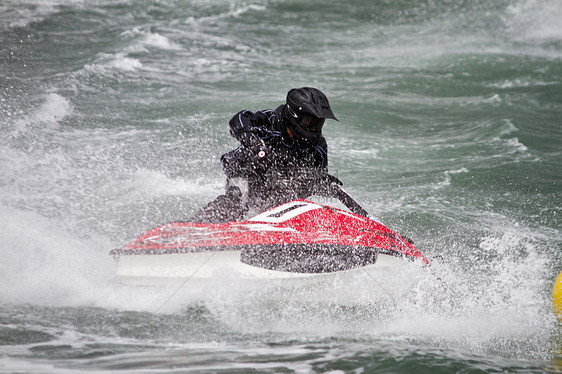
333, 254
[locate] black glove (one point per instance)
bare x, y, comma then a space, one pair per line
260, 149
254, 144
325, 184
327, 178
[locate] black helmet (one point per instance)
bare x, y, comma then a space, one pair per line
305, 113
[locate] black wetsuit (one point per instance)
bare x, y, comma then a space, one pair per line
289, 170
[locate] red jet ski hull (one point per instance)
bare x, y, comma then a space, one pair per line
299, 236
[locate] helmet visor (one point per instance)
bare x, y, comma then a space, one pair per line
308, 122
311, 123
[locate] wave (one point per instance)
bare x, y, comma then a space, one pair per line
14, 14
53, 109
231, 9
142, 38
111, 65
535, 21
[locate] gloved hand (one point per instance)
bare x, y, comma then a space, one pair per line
329, 179
254, 144
260, 149
326, 184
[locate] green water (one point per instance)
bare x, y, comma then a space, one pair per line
113, 118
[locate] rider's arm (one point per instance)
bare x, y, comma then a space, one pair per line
247, 126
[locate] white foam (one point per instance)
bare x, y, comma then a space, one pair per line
21, 16
247, 8
44, 264
370, 153
447, 180
516, 146
161, 42
536, 20
52, 111
156, 183
457, 171
108, 64
125, 63
493, 99
149, 39
508, 128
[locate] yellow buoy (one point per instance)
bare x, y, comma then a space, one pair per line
557, 297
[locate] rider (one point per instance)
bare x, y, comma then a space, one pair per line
282, 156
